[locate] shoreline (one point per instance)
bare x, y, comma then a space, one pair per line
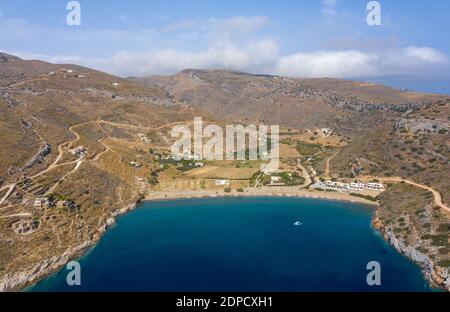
22, 280
287, 192
435, 276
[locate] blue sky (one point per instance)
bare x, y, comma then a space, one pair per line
321, 38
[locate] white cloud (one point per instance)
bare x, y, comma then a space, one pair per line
328, 64
122, 18
353, 64
232, 43
235, 24
263, 57
162, 17
182, 25
252, 57
329, 8
40, 36
57, 59
240, 23
426, 54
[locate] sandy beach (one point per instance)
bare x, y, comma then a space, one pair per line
264, 191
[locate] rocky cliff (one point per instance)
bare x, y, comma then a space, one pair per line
436, 275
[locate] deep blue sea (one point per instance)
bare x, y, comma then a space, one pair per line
241, 244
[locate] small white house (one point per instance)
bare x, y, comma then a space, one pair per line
326, 132
357, 186
41, 203
79, 151
222, 182
375, 186
135, 164
275, 179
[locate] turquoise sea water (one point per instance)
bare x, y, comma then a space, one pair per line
241, 244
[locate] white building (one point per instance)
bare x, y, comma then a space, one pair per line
79, 151
41, 203
275, 179
357, 186
375, 186
135, 164
326, 132
222, 182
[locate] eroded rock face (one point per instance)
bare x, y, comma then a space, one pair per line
6, 58
40, 155
433, 273
15, 281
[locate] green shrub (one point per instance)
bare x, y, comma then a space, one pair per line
444, 263
368, 197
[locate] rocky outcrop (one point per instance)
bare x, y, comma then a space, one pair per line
15, 281
39, 157
435, 274
19, 280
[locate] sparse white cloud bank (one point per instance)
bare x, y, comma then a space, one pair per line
262, 57
234, 43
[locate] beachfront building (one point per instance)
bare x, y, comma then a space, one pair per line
357, 186
222, 182
331, 184
276, 181
375, 186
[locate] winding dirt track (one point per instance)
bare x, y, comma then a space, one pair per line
11, 189
326, 172
25, 214
437, 196
56, 164
305, 174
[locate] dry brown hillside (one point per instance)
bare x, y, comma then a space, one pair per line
298, 103
39, 102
